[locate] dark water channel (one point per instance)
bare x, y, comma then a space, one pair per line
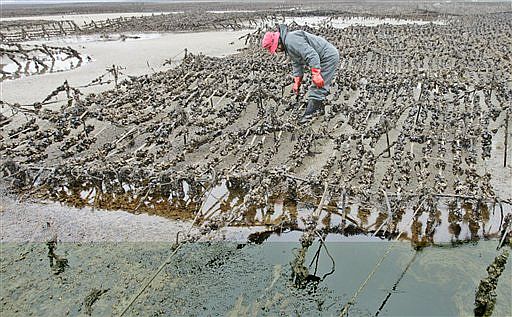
440, 281
238, 279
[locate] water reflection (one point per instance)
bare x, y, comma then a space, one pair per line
25, 60
431, 221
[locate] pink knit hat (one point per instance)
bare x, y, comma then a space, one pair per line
270, 41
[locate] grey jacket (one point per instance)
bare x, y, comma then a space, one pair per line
304, 49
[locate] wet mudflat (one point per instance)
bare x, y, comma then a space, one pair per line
80, 19
136, 55
386, 157
244, 279
392, 203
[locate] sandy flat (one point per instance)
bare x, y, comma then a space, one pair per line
39, 222
138, 57
84, 18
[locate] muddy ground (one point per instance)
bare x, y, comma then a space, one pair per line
395, 8
147, 54
38, 222
235, 279
403, 178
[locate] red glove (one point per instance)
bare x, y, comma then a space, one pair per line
317, 77
296, 85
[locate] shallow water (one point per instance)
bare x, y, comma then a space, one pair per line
137, 56
61, 62
452, 220
86, 18
81, 39
228, 278
439, 282
341, 23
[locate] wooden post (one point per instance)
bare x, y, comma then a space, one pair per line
387, 140
74, 26
506, 142
418, 115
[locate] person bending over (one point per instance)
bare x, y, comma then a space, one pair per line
306, 49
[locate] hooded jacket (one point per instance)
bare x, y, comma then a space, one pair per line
304, 49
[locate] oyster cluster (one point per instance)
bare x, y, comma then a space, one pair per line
410, 146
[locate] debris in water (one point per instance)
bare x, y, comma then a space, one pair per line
485, 298
91, 298
60, 262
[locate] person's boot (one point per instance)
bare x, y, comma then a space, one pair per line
314, 108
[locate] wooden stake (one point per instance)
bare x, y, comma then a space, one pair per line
387, 139
506, 142
389, 147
